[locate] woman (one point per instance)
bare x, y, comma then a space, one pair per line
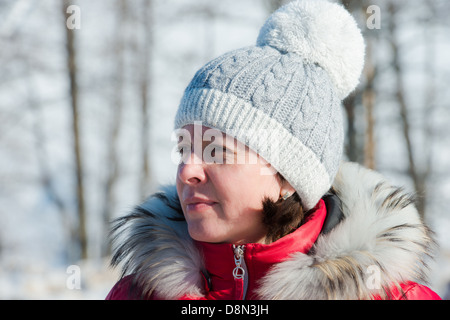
263, 208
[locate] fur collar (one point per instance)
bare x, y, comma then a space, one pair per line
380, 244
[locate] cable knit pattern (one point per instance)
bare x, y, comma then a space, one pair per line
283, 105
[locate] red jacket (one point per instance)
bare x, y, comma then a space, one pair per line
315, 261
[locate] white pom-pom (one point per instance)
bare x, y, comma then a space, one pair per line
321, 32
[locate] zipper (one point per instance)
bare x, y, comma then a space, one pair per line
240, 271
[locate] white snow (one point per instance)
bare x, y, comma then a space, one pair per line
35, 258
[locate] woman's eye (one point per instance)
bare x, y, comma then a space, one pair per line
217, 154
224, 150
183, 151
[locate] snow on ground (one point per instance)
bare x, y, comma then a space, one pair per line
86, 281
32, 243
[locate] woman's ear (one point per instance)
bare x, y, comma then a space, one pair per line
286, 190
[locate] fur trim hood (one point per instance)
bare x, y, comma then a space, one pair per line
381, 230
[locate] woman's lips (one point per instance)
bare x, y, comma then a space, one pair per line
200, 205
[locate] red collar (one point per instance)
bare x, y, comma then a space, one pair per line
259, 258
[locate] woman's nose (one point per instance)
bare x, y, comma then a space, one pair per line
192, 171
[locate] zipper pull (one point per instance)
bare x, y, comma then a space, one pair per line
238, 271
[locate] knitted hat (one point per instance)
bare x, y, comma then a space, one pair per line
282, 97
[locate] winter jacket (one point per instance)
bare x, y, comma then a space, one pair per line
364, 241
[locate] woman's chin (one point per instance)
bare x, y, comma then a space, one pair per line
205, 236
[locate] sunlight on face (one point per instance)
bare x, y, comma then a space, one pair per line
221, 186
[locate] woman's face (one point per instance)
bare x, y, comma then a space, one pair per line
221, 185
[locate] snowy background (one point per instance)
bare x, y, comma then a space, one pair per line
170, 39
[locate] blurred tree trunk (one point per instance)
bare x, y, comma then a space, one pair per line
145, 88
429, 106
350, 103
112, 161
363, 151
352, 146
419, 178
369, 104
71, 61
